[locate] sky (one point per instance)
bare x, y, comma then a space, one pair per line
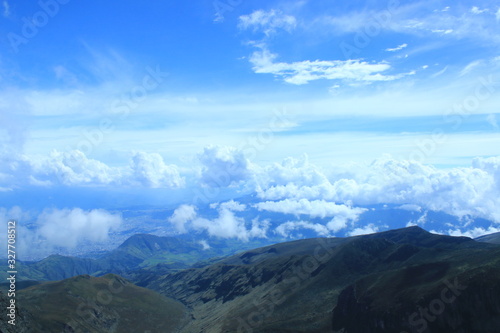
303, 105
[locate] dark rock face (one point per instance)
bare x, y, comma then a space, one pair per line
466, 303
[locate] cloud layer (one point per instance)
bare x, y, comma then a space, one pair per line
74, 168
70, 227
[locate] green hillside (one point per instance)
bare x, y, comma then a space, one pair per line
99, 304
326, 285
491, 238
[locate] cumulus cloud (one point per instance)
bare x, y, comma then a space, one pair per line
70, 227
267, 21
368, 229
74, 168
70, 168
231, 205
462, 191
296, 171
149, 170
226, 225
302, 72
182, 215
284, 229
472, 233
314, 208
223, 166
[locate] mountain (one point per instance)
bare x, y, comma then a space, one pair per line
24, 321
142, 253
403, 280
99, 304
372, 283
491, 238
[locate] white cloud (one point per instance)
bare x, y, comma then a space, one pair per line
368, 229
228, 225
410, 207
340, 222
445, 9
70, 227
422, 219
315, 208
397, 48
204, 244
225, 225
267, 21
74, 168
284, 229
149, 170
497, 15
442, 31
475, 10
303, 72
6, 9
467, 69
415, 18
472, 233
70, 168
232, 206
471, 191
223, 166
182, 215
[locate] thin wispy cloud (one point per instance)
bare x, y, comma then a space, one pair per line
470, 67
267, 21
397, 48
477, 11
6, 9
303, 72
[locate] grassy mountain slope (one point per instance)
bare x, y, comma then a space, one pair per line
99, 304
491, 238
296, 286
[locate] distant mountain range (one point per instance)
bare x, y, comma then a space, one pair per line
141, 252
491, 238
404, 280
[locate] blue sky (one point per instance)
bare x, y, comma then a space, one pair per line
155, 100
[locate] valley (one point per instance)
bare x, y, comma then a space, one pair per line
403, 280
